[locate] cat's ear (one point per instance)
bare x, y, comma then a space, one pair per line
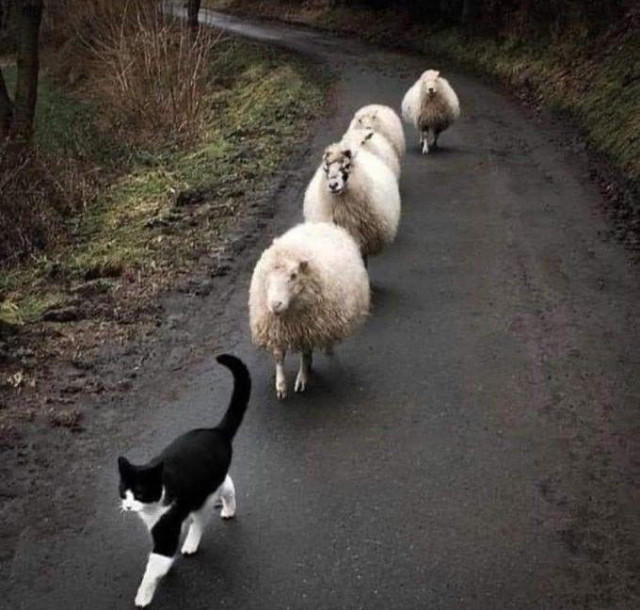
124, 466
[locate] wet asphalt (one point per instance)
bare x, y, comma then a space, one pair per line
472, 447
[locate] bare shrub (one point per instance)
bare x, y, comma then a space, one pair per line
150, 73
36, 195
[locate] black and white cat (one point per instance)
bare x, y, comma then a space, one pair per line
183, 485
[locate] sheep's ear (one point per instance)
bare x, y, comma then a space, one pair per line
303, 266
436, 73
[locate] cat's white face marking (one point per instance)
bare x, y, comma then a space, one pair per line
150, 513
129, 503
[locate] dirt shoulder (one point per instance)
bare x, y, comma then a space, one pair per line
591, 83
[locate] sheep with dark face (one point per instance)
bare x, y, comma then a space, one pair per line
375, 143
431, 106
383, 120
356, 190
309, 291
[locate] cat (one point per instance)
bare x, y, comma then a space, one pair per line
184, 483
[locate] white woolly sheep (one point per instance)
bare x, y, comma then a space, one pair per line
377, 144
382, 120
309, 291
357, 191
431, 106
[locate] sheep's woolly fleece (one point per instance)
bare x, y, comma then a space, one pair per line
376, 144
437, 112
332, 294
383, 120
369, 207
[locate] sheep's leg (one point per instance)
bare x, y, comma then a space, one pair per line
436, 135
304, 373
432, 138
424, 142
281, 379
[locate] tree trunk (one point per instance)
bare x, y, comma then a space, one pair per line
28, 19
193, 8
6, 109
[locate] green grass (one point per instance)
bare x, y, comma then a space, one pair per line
264, 100
65, 125
597, 86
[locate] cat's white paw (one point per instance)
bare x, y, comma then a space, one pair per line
189, 546
227, 513
144, 597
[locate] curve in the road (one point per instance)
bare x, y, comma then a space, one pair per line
469, 449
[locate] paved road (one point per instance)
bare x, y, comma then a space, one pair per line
471, 448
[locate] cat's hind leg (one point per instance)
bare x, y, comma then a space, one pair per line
227, 493
199, 520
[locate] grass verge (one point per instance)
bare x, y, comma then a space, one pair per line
160, 210
173, 203
595, 80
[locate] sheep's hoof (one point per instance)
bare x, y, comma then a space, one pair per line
281, 393
301, 383
425, 149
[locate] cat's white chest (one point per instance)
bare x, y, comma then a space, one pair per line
151, 513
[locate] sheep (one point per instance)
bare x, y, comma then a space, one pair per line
431, 106
377, 144
309, 291
383, 120
355, 189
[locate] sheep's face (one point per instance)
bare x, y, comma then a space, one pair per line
285, 283
365, 120
336, 165
429, 80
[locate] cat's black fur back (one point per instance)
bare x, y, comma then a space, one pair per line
191, 468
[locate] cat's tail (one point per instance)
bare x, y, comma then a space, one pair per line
240, 397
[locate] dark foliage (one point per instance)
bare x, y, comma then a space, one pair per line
524, 16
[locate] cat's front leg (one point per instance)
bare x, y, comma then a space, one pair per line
199, 520
157, 567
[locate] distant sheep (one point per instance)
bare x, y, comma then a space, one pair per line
377, 144
309, 291
431, 106
356, 190
384, 121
